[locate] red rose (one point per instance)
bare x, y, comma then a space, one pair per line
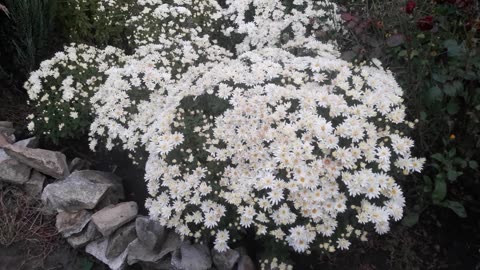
425, 23
410, 6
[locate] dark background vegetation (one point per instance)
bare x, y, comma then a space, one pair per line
433, 49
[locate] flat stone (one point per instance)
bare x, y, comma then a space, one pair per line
150, 232
69, 223
111, 218
225, 260
98, 249
86, 236
172, 243
12, 171
115, 186
245, 263
4, 140
34, 186
82, 190
71, 195
6, 124
48, 162
137, 252
120, 240
192, 257
78, 164
30, 142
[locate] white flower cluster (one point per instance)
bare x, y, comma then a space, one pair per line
285, 138
301, 141
157, 20
273, 21
275, 264
61, 88
125, 104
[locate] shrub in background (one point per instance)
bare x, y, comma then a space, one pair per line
153, 21
271, 23
433, 47
94, 22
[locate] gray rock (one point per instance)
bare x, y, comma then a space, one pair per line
34, 186
78, 164
71, 195
30, 142
245, 263
48, 162
192, 257
86, 236
120, 240
7, 131
98, 249
137, 252
82, 190
6, 124
115, 188
111, 218
225, 260
4, 140
172, 243
13, 171
150, 232
69, 223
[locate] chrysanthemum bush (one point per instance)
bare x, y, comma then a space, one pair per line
284, 138
60, 90
292, 144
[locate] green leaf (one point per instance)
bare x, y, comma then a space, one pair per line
438, 157
453, 175
423, 116
428, 185
452, 153
395, 40
441, 78
449, 89
457, 207
434, 94
458, 85
440, 191
410, 219
454, 49
473, 164
86, 264
402, 53
453, 107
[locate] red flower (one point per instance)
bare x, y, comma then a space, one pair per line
425, 23
410, 6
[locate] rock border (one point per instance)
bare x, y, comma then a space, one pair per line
92, 214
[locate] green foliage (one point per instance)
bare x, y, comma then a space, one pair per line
25, 32
94, 22
439, 69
